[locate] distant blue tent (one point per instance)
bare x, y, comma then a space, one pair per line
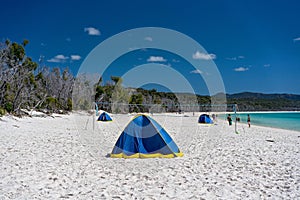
145, 138
205, 119
104, 117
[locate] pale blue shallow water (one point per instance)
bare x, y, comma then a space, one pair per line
284, 120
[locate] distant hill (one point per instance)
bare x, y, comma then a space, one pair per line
245, 95
248, 101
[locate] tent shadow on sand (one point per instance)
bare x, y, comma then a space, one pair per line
143, 137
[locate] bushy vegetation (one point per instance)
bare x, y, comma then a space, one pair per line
26, 85
112, 97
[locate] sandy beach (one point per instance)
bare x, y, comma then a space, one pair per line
64, 156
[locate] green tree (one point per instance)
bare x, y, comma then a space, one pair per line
22, 87
120, 97
136, 101
17, 71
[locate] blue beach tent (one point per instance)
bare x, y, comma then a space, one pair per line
205, 119
145, 138
104, 117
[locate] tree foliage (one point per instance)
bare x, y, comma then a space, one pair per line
22, 87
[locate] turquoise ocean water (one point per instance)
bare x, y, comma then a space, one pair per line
284, 120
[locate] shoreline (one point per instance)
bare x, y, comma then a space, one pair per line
261, 126
266, 119
185, 114
245, 112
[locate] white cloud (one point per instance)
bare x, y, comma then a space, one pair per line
92, 31
197, 71
156, 59
296, 39
203, 56
241, 69
54, 60
235, 58
61, 57
75, 57
267, 65
58, 58
150, 39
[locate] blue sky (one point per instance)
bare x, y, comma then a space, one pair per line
255, 44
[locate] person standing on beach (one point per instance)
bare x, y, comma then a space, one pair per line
229, 120
248, 120
214, 117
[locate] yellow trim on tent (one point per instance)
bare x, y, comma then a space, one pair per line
142, 155
205, 124
139, 114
